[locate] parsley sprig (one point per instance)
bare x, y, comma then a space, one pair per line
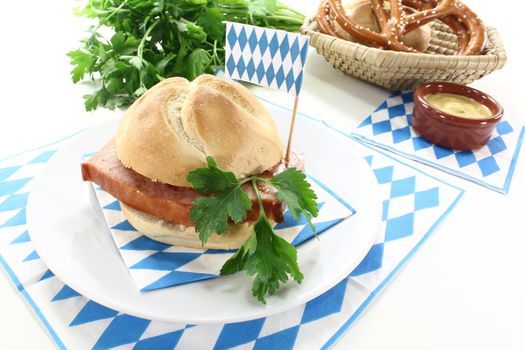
265, 255
134, 44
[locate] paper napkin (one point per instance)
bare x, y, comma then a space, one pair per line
389, 127
413, 205
155, 265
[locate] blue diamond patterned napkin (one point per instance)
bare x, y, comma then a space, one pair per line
155, 265
389, 127
413, 204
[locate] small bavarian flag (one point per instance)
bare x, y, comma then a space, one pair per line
267, 57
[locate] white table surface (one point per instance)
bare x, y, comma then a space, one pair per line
464, 289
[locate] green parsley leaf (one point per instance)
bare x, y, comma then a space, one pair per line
265, 255
211, 179
83, 62
155, 39
212, 213
271, 262
293, 189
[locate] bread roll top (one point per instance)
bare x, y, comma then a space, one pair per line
175, 125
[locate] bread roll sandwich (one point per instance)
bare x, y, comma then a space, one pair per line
168, 133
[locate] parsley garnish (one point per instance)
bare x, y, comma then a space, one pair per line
265, 255
155, 39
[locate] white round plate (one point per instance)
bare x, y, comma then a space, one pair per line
70, 234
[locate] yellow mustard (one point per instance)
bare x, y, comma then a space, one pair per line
458, 105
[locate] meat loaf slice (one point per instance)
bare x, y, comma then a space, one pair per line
165, 201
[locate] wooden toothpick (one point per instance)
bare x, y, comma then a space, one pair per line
290, 132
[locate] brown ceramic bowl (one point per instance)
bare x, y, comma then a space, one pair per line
448, 130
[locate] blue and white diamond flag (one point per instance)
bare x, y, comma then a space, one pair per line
155, 265
389, 126
267, 57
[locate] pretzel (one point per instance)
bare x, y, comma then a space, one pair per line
403, 17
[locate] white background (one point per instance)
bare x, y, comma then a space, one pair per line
464, 289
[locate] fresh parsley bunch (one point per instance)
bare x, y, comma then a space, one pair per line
155, 39
264, 254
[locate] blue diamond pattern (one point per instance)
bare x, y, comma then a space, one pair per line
299, 83
427, 199
280, 77
465, 158
371, 262
399, 106
32, 256
231, 36
365, 122
16, 201
16, 220
306, 233
124, 329
442, 152
281, 340
176, 278
488, 166
65, 293
290, 79
294, 50
382, 106
328, 303
234, 334
284, 48
401, 135
386, 205
250, 68
384, 175
243, 39
23, 238
145, 243
123, 226
497, 145
381, 127
270, 74
43, 157
289, 220
230, 65
420, 143
115, 205
163, 341
280, 73
260, 71
304, 53
252, 41
403, 187
10, 187
130, 331
396, 111
399, 227
263, 43
6, 172
274, 45
407, 97
46, 275
504, 128
93, 312
241, 67
165, 261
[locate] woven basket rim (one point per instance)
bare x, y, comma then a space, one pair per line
377, 56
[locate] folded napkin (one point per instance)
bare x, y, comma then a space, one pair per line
413, 205
155, 265
389, 127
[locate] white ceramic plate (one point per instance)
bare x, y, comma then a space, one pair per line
70, 235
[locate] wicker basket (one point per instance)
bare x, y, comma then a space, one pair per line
401, 70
